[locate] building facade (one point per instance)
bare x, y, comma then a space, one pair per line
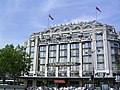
74, 54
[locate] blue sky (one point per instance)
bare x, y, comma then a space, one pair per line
20, 18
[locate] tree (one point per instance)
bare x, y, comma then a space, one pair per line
13, 61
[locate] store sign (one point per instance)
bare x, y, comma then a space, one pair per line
64, 64
59, 81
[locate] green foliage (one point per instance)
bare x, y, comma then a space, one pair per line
13, 61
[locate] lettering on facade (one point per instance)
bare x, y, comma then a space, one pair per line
63, 64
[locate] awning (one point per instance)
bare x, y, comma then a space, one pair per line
59, 81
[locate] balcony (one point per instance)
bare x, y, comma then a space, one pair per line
53, 41
113, 39
42, 42
86, 40
74, 40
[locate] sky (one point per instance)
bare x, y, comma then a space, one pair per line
20, 18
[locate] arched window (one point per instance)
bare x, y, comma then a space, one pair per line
57, 30
48, 31
87, 27
66, 29
77, 28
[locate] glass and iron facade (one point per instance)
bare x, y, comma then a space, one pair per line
70, 53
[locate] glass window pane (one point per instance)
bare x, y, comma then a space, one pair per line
74, 52
42, 61
100, 58
62, 60
53, 47
99, 44
42, 48
100, 66
74, 59
64, 46
87, 45
52, 60
73, 46
87, 59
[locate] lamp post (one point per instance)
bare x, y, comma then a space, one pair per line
93, 72
92, 76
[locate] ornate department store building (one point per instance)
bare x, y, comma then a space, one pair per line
74, 54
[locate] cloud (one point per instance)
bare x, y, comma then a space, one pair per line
85, 18
47, 6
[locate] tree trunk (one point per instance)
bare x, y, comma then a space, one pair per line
3, 79
14, 80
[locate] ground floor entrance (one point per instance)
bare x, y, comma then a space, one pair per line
65, 82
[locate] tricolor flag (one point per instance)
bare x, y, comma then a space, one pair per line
51, 17
98, 9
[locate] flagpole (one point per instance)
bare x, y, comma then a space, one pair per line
48, 22
95, 11
96, 14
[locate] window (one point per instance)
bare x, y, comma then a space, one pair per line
110, 36
77, 28
43, 54
63, 53
100, 58
74, 52
100, 66
75, 34
87, 67
74, 59
87, 27
86, 33
100, 50
46, 36
51, 73
31, 67
42, 61
74, 68
32, 43
64, 46
87, 45
99, 44
52, 54
41, 68
42, 48
57, 30
114, 67
52, 60
66, 29
61, 68
113, 58
87, 52
31, 49
63, 60
87, 59
112, 51
51, 68
53, 47
32, 55
74, 46
99, 36
65, 35
62, 71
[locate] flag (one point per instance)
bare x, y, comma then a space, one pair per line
51, 17
98, 9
